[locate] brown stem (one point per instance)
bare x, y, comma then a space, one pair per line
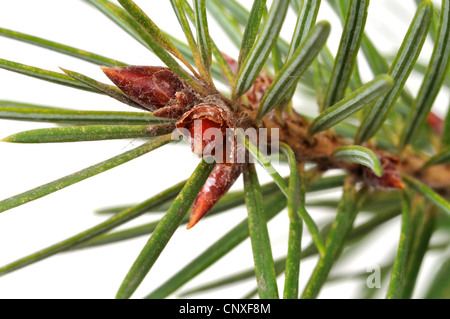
294, 133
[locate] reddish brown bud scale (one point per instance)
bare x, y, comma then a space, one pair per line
199, 140
154, 88
198, 120
150, 86
259, 89
170, 112
216, 186
391, 177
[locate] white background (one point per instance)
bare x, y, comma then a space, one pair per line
97, 273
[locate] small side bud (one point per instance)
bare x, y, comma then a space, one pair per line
436, 123
256, 92
391, 177
259, 88
207, 125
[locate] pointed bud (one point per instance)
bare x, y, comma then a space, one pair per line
216, 186
152, 87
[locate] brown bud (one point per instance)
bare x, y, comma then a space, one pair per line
218, 183
259, 87
152, 87
232, 63
197, 123
435, 122
391, 177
